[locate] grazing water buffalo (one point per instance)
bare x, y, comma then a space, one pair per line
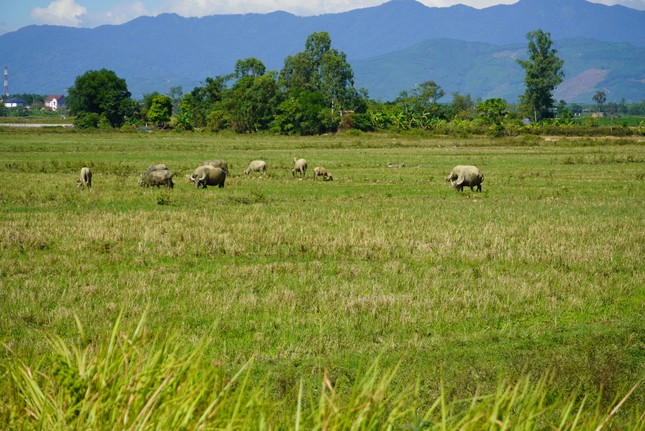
157, 178
320, 171
469, 176
218, 164
208, 175
256, 166
299, 166
86, 178
156, 167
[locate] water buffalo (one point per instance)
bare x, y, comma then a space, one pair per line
299, 166
157, 178
156, 167
256, 166
320, 171
208, 175
86, 178
218, 164
469, 176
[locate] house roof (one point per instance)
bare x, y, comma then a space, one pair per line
55, 96
15, 100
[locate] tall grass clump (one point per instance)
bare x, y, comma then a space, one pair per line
134, 381
129, 381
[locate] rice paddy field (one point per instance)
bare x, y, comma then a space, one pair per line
381, 300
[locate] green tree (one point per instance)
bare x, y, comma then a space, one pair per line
86, 120
160, 110
305, 113
249, 67
418, 108
303, 71
147, 103
131, 111
253, 98
543, 73
492, 111
199, 103
600, 98
321, 68
337, 81
297, 74
101, 92
425, 97
462, 106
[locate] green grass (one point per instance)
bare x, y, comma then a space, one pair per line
621, 121
47, 117
138, 381
539, 275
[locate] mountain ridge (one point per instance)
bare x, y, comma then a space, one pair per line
155, 53
466, 67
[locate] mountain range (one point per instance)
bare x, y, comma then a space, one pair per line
391, 47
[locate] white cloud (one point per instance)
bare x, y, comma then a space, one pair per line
300, 7
317, 7
60, 12
479, 4
634, 4
297, 7
119, 14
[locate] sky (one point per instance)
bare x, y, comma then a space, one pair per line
15, 14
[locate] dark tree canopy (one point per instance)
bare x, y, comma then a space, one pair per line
311, 94
100, 92
321, 68
543, 72
249, 67
254, 97
318, 84
492, 111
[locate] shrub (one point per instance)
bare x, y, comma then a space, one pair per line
87, 120
361, 122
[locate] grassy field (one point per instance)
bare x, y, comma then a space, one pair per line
541, 275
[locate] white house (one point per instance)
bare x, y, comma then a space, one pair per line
53, 103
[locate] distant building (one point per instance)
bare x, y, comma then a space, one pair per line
14, 102
53, 103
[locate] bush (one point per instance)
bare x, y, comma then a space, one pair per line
87, 120
361, 122
218, 120
104, 122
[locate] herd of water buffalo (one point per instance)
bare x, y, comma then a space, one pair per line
214, 173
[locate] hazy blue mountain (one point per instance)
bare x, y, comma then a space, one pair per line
486, 70
392, 47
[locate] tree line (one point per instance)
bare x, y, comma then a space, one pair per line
314, 93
